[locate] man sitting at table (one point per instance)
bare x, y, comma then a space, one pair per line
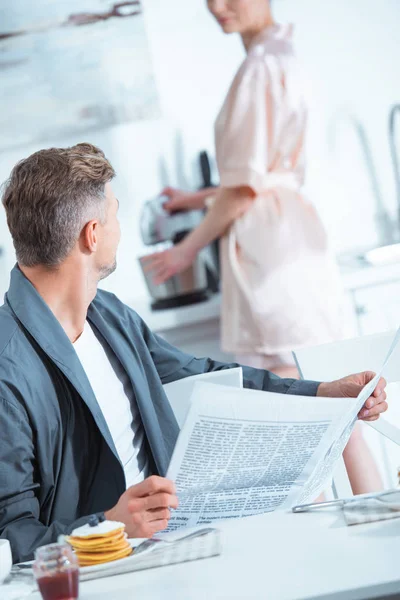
85, 424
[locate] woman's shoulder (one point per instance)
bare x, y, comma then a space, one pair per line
256, 67
271, 45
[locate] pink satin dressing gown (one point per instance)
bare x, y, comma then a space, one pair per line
280, 286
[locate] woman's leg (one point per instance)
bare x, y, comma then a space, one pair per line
361, 468
360, 464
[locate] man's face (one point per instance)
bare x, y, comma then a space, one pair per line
110, 234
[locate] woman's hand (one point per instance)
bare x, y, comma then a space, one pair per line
180, 200
164, 265
230, 204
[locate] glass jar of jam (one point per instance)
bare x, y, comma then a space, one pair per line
57, 572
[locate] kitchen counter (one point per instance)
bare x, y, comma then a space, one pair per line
355, 276
173, 318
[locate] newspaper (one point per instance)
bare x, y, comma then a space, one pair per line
243, 452
179, 392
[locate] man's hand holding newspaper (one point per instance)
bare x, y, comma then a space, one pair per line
351, 386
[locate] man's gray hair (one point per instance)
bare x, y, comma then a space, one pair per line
50, 196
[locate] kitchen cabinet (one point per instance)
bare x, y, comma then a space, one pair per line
201, 339
193, 329
373, 295
377, 308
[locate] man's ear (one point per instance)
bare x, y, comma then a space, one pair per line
89, 235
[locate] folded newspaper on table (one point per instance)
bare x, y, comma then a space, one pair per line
244, 452
161, 554
368, 508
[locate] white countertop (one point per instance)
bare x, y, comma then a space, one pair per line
358, 276
171, 318
353, 277
276, 556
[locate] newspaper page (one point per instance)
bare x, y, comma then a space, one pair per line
179, 392
245, 452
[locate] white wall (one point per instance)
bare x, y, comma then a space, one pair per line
350, 49
193, 70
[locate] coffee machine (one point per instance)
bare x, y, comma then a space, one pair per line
160, 230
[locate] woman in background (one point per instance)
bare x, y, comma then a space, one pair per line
280, 287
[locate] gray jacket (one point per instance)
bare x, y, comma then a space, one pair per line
58, 462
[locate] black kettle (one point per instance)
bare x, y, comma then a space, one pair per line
213, 265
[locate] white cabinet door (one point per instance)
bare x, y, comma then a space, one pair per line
199, 339
378, 308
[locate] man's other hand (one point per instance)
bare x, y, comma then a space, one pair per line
351, 386
145, 507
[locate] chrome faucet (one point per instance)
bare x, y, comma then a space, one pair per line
382, 218
388, 229
394, 154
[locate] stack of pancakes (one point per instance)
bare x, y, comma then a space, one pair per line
99, 543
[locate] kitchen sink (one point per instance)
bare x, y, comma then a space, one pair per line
385, 255
374, 257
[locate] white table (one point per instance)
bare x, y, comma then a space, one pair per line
278, 556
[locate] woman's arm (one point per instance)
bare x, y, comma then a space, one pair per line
180, 200
229, 205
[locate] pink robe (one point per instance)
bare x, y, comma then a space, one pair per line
280, 286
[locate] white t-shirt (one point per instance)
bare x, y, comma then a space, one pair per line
116, 398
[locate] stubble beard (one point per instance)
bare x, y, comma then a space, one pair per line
106, 270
